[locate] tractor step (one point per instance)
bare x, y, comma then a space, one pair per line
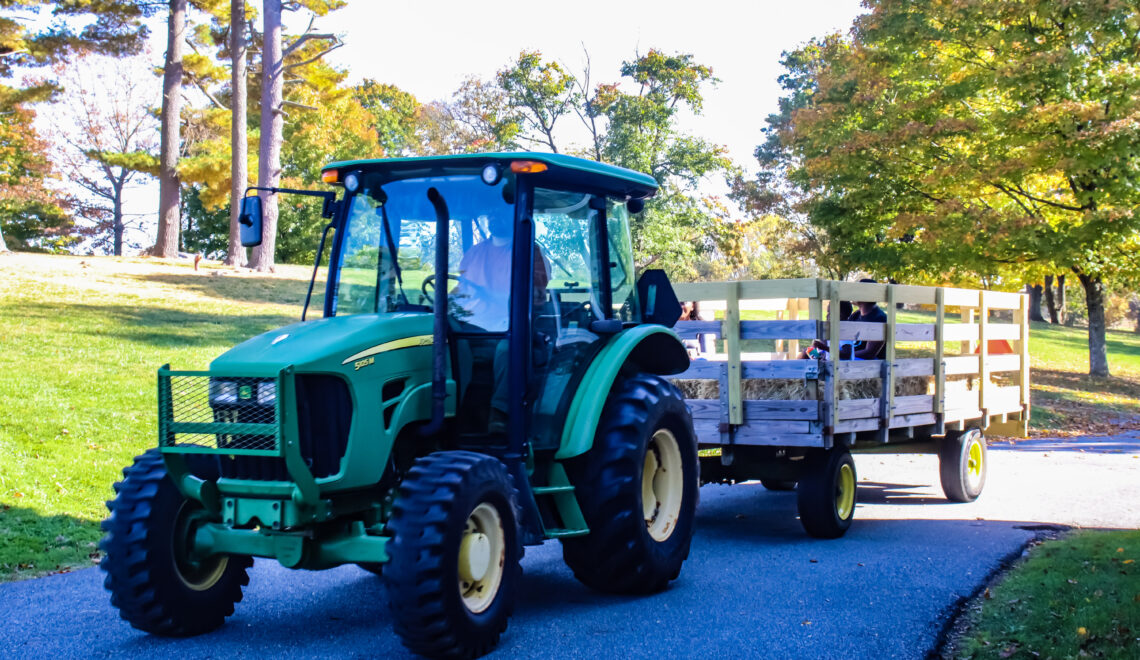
550, 490
565, 533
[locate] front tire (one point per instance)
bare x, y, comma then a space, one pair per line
637, 488
962, 465
155, 583
826, 493
454, 555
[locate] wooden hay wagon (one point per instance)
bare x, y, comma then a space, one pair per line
761, 413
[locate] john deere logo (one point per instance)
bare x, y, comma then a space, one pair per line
245, 392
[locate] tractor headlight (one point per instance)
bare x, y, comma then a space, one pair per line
223, 391
267, 394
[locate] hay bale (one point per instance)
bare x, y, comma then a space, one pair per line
795, 390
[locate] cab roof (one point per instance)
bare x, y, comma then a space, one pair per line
566, 170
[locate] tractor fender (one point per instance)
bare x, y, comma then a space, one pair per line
651, 349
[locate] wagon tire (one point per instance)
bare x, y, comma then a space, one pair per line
154, 582
825, 495
454, 555
962, 465
778, 484
638, 489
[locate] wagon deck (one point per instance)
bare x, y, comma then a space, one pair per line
980, 335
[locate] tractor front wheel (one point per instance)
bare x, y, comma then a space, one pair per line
155, 581
454, 553
637, 488
826, 493
962, 465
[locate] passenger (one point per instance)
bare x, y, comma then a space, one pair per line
819, 349
863, 349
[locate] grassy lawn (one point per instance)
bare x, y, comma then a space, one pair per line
1074, 597
82, 339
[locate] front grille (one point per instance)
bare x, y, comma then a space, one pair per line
228, 415
236, 417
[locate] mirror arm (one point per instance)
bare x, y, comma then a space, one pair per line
328, 196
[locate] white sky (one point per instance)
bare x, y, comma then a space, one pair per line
428, 52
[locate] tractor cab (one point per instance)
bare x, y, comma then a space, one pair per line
528, 256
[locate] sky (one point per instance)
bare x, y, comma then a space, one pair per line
429, 53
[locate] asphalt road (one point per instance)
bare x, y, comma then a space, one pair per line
755, 585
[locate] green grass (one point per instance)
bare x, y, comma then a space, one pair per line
1074, 597
81, 345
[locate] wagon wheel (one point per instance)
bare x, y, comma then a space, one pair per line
826, 493
962, 465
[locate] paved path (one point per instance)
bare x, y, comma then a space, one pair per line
755, 586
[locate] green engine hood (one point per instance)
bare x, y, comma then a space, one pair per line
327, 344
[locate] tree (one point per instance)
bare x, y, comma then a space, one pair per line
235, 253
32, 215
541, 92
980, 140
169, 184
309, 47
104, 135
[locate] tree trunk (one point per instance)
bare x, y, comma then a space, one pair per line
1061, 298
269, 148
1034, 292
1050, 302
117, 219
235, 253
1098, 348
169, 218
3, 245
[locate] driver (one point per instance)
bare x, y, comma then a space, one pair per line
485, 277
484, 293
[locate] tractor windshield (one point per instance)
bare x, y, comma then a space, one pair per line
368, 281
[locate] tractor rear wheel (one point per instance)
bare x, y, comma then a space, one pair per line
637, 488
826, 493
155, 582
455, 552
962, 463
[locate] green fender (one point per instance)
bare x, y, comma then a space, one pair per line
649, 348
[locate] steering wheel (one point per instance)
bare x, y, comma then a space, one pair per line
430, 280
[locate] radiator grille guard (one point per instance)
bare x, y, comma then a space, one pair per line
202, 412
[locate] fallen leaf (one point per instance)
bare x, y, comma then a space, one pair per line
1128, 561
816, 561
805, 623
1120, 549
1072, 581
987, 595
1082, 631
1008, 651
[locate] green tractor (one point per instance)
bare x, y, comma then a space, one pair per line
487, 374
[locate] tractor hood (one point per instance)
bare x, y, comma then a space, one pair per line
326, 345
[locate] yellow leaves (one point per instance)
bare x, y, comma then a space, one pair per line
1082, 631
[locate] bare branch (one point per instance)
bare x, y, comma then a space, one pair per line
292, 48
294, 104
314, 58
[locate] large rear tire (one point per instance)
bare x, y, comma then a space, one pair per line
154, 581
455, 552
637, 488
962, 465
826, 493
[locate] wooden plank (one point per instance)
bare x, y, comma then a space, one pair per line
903, 421
704, 409
969, 298
700, 291
732, 348
983, 348
1023, 371
708, 431
690, 329
914, 332
914, 367
859, 409
778, 329
797, 369
939, 358
831, 394
960, 400
862, 291
859, 330
798, 288
815, 313
1002, 363
908, 405
762, 409
888, 395
856, 425
700, 369
962, 365
968, 332
860, 369
914, 295
761, 437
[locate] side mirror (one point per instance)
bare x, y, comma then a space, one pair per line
635, 205
250, 221
659, 303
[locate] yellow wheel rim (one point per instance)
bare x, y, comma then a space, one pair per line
196, 574
845, 492
975, 462
482, 555
662, 485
